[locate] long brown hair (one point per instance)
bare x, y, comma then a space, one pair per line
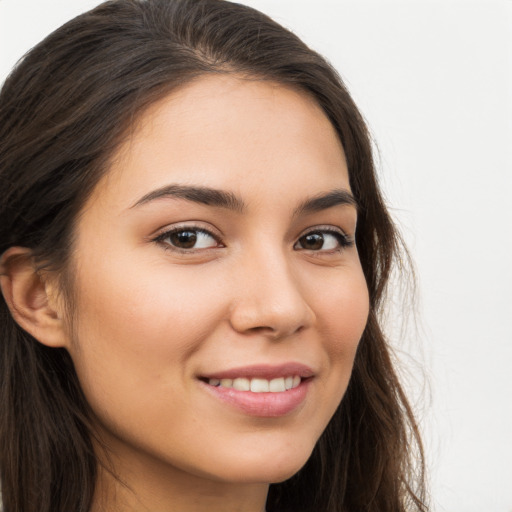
63, 111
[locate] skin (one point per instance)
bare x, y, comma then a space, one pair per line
152, 318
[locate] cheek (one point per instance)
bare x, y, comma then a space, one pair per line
343, 314
135, 329
149, 305
136, 336
343, 309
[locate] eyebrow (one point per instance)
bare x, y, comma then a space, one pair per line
224, 199
203, 195
324, 201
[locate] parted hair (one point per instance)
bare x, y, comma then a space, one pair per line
64, 110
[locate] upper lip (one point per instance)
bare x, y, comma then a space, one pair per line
263, 371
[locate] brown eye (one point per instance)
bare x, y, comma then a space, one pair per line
188, 239
183, 239
323, 240
312, 241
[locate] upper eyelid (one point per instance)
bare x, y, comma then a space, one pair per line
191, 226
218, 235
324, 227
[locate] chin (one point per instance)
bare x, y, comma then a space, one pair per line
276, 467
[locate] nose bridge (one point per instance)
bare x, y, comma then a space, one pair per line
269, 298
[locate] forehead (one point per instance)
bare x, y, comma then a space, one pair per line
233, 133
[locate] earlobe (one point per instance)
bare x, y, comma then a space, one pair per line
27, 295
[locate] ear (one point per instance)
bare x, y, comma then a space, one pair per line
31, 298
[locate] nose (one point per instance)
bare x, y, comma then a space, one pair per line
269, 299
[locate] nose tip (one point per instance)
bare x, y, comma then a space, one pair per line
272, 305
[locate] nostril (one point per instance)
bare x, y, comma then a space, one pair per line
261, 329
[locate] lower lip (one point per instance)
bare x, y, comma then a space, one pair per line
264, 405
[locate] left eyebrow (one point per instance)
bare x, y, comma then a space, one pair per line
328, 200
202, 195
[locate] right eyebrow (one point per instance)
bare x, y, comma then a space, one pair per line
327, 200
202, 195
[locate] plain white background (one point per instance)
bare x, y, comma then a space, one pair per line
434, 80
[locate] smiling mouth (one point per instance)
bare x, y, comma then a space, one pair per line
264, 391
258, 385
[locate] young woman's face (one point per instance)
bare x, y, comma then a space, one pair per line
220, 296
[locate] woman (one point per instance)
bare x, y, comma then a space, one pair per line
189, 315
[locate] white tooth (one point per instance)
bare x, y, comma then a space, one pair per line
259, 385
226, 383
242, 384
214, 382
277, 385
296, 381
288, 382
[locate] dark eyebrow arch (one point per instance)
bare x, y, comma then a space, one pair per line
328, 200
203, 195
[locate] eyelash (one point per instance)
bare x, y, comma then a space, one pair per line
183, 229
343, 240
